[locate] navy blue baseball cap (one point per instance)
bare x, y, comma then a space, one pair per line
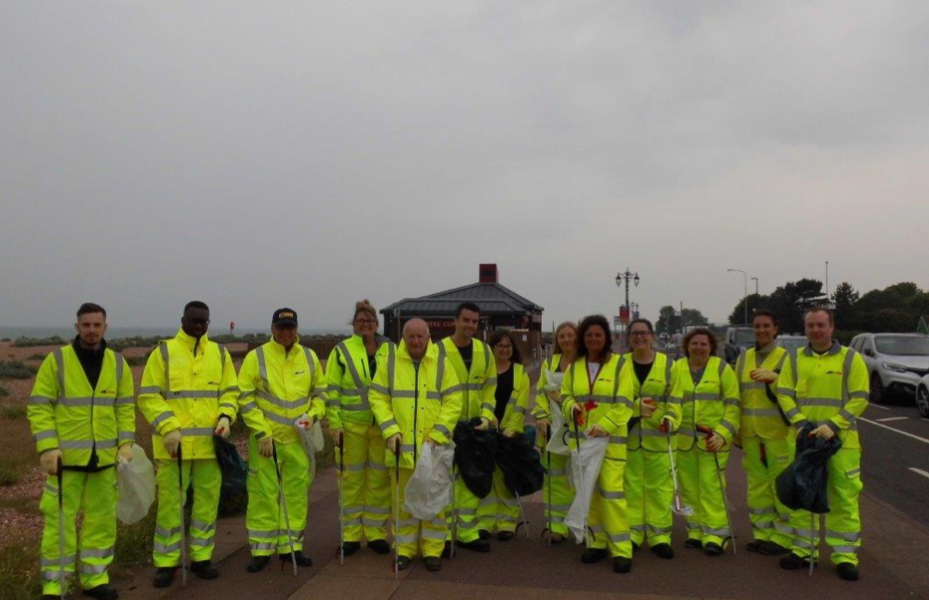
284, 316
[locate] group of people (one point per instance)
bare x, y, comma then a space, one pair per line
665, 422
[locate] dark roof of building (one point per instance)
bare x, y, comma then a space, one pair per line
493, 298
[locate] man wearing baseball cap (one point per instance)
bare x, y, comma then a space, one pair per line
282, 385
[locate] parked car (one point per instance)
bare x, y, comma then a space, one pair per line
922, 397
791, 342
737, 340
896, 362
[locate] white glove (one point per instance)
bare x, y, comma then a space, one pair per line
222, 428
172, 442
49, 461
305, 422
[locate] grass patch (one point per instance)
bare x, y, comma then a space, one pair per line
4, 392
36, 356
19, 568
14, 369
134, 542
13, 411
28, 342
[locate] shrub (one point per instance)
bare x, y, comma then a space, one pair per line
13, 411
14, 369
4, 392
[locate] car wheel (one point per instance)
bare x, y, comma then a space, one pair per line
878, 394
922, 401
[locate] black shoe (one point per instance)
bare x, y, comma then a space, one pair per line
713, 549
504, 536
663, 551
204, 569
433, 563
379, 546
349, 548
754, 546
483, 534
164, 576
847, 571
302, 561
105, 592
792, 562
621, 564
772, 549
476, 546
258, 563
692, 543
594, 555
403, 563
447, 551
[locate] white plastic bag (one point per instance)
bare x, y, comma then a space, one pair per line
429, 488
557, 443
313, 441
585, 468
136, 483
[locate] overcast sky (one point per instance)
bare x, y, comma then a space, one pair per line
260, 154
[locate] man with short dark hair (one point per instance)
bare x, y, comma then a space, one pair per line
189, 394
82, 409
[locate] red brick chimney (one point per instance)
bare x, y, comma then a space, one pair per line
488, 273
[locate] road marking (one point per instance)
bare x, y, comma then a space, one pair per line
887, 419
901, 432
879, 406
920, 472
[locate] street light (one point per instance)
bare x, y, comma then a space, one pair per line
755, 279
626, 277
745, 296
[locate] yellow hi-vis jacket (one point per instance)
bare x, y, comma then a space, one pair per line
514, 417
278, 387
477, 384
349, 377
610, 391
713, 403
543, 405
658, 385
831, 389
188, 384
418, 402
65, 413
761, 415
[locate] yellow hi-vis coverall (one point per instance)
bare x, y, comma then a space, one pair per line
277, 388
366, 482
188, 384
555, 483
767, 447
830, 389
506, 508
611, 396
478, 385
420, 402
66, 414
648, 485
712, 402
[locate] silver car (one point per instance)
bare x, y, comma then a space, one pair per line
922, 397
896, 362
791, 342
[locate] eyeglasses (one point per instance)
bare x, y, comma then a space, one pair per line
639, 333
366, 322
504, 347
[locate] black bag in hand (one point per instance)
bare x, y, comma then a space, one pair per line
233, 495
802, 485
520, 463
474, 456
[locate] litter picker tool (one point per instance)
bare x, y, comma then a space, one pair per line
341, 499
678, 507
61, 531
722, 488
548, 478
181, 500
396, 451
283, 505
580, 468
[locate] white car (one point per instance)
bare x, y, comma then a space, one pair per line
791, 342
922, 397
897, 362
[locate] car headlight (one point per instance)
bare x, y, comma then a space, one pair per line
895, 368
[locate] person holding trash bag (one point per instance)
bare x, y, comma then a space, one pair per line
82, 415
648, 485
598, 399
350, 369
512, 402
709, 392
188, 394
557, 493
282, 386
767, 446
826, 384
415, 399
474, 366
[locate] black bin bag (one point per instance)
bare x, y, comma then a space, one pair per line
802, 485
233, 496
520, 464
474, 456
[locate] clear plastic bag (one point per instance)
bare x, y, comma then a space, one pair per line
313, 442
558, 442
136, 483
585, 468
429, 489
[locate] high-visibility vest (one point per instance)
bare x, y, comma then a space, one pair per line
349, 377
611, 394
66, 413
420, 402
188, 384
278, 387
542, 409
658, 385
831, 388
478, 383
761, 416
713, 403
514, 417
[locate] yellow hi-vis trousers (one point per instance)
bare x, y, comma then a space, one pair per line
843, 521
700, 490
499, 509
206, 478
264, 519
466, 511
608, 519
95, 495
649, 496
366, 483
412, 535
770, 519
556, 485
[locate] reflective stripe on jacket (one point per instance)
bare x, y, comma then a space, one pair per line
713, 403
477, 384
612, 394
658, 385
543, 405
514, 417
348, 376
761, 416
